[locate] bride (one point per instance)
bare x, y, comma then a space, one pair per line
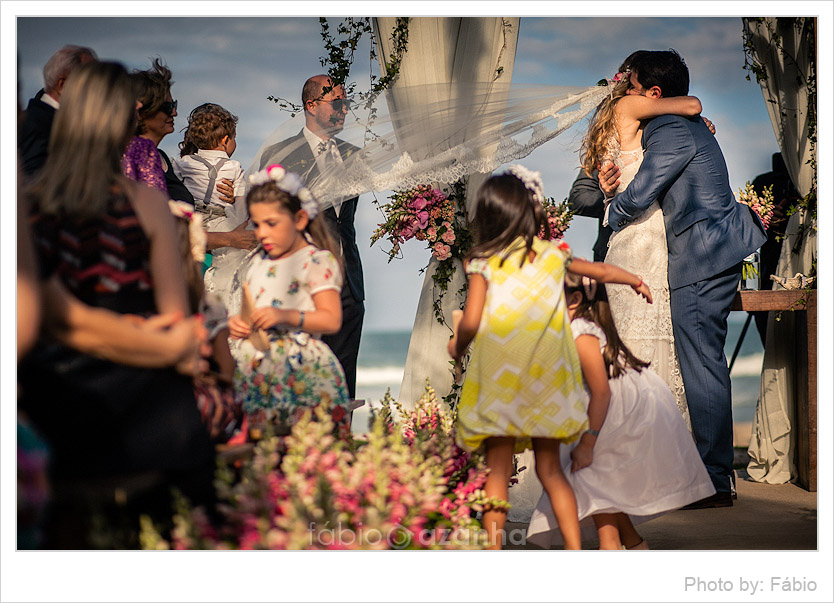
615, 136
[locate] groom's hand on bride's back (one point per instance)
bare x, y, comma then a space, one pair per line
609, 178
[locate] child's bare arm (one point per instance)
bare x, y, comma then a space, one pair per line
596, 376
468, 327
326, 318
608, 273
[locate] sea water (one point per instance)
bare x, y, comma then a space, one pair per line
382, 361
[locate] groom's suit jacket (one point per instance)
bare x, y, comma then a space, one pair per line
683, 168
295, 155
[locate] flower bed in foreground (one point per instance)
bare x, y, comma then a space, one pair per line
407, 486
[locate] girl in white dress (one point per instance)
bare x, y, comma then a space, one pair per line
637, 459
615, 136
290, 296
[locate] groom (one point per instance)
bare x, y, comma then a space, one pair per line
309, 153
708, 235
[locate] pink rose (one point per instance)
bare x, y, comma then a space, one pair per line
422, 219
418, 203
441, 251
448, 236
431, 234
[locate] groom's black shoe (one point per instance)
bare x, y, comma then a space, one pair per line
719, 499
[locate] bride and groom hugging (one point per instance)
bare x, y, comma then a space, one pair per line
669, 174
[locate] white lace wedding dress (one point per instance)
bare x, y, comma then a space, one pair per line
641, 249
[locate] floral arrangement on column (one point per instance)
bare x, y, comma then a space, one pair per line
435, 216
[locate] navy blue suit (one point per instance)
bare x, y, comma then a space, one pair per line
586, 199
295, 155
35, 134
708, 234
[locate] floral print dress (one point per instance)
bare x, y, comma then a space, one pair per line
299, 371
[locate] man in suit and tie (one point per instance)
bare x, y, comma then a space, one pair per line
310, 153
37, 123
708, 235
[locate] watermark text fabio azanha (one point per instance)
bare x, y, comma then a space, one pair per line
770, 584
398, 537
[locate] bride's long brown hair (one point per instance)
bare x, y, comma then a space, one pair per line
597, 141
595, 145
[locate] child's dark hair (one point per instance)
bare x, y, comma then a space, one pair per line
506, 210
317, 229
616, 355
207, 125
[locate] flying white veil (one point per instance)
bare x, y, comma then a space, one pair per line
403, 144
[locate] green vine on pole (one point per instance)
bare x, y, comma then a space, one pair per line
339, 56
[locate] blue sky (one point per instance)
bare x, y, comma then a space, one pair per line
238, 61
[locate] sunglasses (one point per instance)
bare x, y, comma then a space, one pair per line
338, 104
168, 107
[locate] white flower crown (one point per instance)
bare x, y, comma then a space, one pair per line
289, 182
196, 234
532, 180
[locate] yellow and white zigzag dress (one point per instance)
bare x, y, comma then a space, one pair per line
524, 378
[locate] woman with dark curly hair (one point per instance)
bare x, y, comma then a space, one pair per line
141, 160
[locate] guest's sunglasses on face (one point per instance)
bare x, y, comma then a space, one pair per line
339, 104
168, 107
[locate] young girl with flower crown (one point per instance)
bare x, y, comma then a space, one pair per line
638, 459
289, 292
523, 386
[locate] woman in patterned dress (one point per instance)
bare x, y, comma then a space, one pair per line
523, 386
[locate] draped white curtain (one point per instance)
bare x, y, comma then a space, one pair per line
459, 52
772, 441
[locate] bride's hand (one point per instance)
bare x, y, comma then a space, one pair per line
609, 178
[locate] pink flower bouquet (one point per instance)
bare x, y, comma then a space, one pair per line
559, 216
763, 205
426, 214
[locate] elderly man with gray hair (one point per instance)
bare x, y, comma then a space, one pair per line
37, 123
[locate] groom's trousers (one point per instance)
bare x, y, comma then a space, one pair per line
699, 322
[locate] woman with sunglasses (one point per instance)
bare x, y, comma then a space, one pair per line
148, 163
141, 160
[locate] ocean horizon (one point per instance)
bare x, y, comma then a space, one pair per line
382, 357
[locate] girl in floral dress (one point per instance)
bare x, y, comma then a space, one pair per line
292, 281
523, 385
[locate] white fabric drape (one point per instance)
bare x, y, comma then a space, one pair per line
772, 441
458, 51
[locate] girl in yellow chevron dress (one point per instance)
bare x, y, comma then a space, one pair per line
523, 385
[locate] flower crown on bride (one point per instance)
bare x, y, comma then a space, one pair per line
289, 182
531, 180
619, 77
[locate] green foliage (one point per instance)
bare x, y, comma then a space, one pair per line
340, 54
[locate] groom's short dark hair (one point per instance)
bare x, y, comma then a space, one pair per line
664, 69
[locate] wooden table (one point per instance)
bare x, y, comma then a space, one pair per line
805, 420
